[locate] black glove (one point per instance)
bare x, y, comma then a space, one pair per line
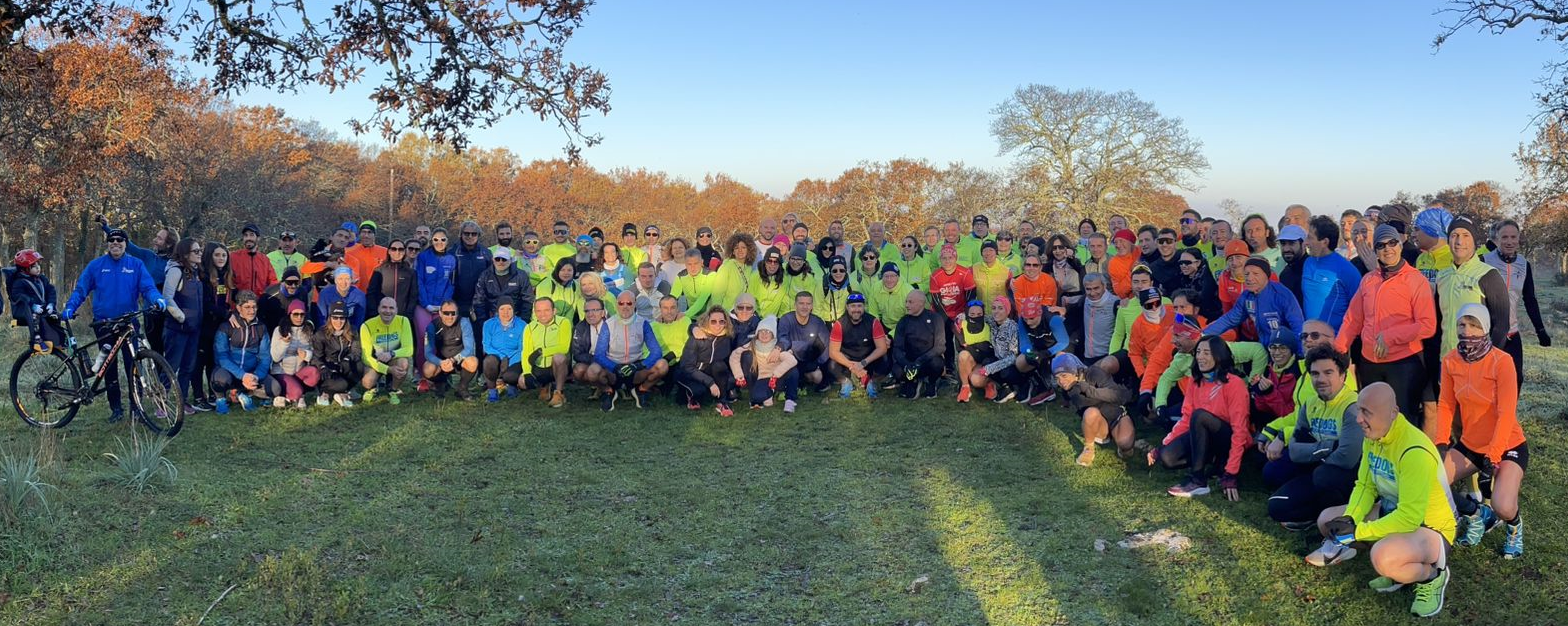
911, 371
1034, 359
533, 357
1304, 436
1145, 405
627, 371
1487, 468
1341, 529
669, 357
1542, 338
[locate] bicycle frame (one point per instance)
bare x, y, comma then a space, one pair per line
91, 389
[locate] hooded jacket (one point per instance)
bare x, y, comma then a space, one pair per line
435, 273
243, 347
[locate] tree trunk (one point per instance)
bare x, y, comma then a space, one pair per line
57, 251
30, 228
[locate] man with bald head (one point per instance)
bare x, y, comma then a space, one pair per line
1400, 507
628, 351
767, 229
387, 341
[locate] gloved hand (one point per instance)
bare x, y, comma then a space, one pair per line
1145, 405
1542, 338
1488, 468
160, 304
626, 371
911, 371
1034, 359
70, 314
740, 382
533, 357
1341, 529
773, 384
37, 310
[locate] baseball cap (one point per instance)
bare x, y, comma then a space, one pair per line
369, 225
250, 228
1292, 232
1149, 295
1237, 247
856, 297
338, 310
503, 253
1384, 233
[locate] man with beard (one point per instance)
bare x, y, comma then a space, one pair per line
275, 302
562, 248
1292, 250
250, 268
156, 260
364, 257
503, 239
969, 246
1192, 232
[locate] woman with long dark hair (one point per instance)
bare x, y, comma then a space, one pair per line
561, 287
768, 285
1215, 411
733, 274
1195, 276
185, 292
217, 297
1067, 270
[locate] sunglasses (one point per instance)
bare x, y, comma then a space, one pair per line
397, 249
837, 270
868, 258
115, 240
530, 242
470, 234
562, 232
438, 240
501, 260
1166, 240
745, 308
1033, 265
299, 313
715, 322
449, 314
1151, 305
1314, 336
1058, 247
906, 245
1188, 263
1188, 220
704, 235
650, 234
291, 282
1392, 243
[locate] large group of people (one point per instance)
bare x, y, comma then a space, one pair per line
1342, 352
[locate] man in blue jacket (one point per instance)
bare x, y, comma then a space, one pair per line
1328, 279
156, 260
117, 283
473, 260
1268, 304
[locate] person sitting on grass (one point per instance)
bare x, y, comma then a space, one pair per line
243, 353
449, 349
918, 346
628, 351
1100, 403
388, 344
807, 337
1214, 412
766, 367
1004, 353
857, 348
1315, 466
503, 339
545, 342
1400, 507
1041, 336
336, 355
705, 362
1479, 385
292, 373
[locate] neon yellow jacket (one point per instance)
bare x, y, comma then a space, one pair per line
549, 339
1402, 470
397, 337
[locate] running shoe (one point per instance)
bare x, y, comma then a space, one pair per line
1475, 526
424, 385
557, 400
1429, 595
1189, 489
1086, 458
221, 406
691, 405
300, 403
789, 406
492, 396
1330, 553
1041, 398
871, 390
247, 402
511, 392
724, 410
1384, 584
845, 389
203, 405
322, 399
370, 394
343, 400
1297, 527
1006, 397
964, 392
607, 401
279, 402
544, 394
191, 410
930, 390
394, 397
990, 391
1513, 539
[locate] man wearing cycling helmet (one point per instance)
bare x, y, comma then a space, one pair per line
117, 283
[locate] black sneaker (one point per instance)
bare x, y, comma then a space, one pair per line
116, 416
908, 391
930, 389
607, 401
639, 398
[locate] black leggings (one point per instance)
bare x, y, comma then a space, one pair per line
1408, 378
696, 391
1205, 444
494, 371
340, 379
1515, 348
1312, 489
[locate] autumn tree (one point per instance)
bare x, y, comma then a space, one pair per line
1543, 165
436, 67
1089, 153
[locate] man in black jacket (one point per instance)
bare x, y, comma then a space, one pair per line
918, 345
275, 301
585, 339
503, 282
473, 260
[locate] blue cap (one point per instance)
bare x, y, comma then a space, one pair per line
856, 297
585, 239
975, 302
1292, 232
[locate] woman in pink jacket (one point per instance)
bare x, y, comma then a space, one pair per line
1215, 412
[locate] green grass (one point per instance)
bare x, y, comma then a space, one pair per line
442, 513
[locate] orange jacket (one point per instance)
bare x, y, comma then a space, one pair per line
252, 271
1486, 395
1043, 289
364, 260
1144, 342
1401, 308
1120, 268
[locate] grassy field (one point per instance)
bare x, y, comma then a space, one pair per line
444, 513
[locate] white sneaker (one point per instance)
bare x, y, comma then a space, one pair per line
322, 399
280, 402
342, 400
789, 406
300, 403
1330, 553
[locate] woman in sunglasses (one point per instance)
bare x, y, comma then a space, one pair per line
743, 318
835, 291
561, 287
768, 285
1195, 276
395, 279
868, 271
913, 266
704, 372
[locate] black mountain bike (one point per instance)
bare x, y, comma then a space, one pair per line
48, 388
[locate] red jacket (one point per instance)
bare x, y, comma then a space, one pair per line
252, 271
1228, 401
1280, 400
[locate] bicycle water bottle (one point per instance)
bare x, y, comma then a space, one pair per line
98, 360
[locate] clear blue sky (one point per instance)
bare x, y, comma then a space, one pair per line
1333, 105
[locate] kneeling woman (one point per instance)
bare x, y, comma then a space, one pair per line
766, 367
1215, 412
705, 362
292, 351
503, 364
1480, 384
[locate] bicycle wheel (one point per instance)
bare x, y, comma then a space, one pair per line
155, 395
45, 388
